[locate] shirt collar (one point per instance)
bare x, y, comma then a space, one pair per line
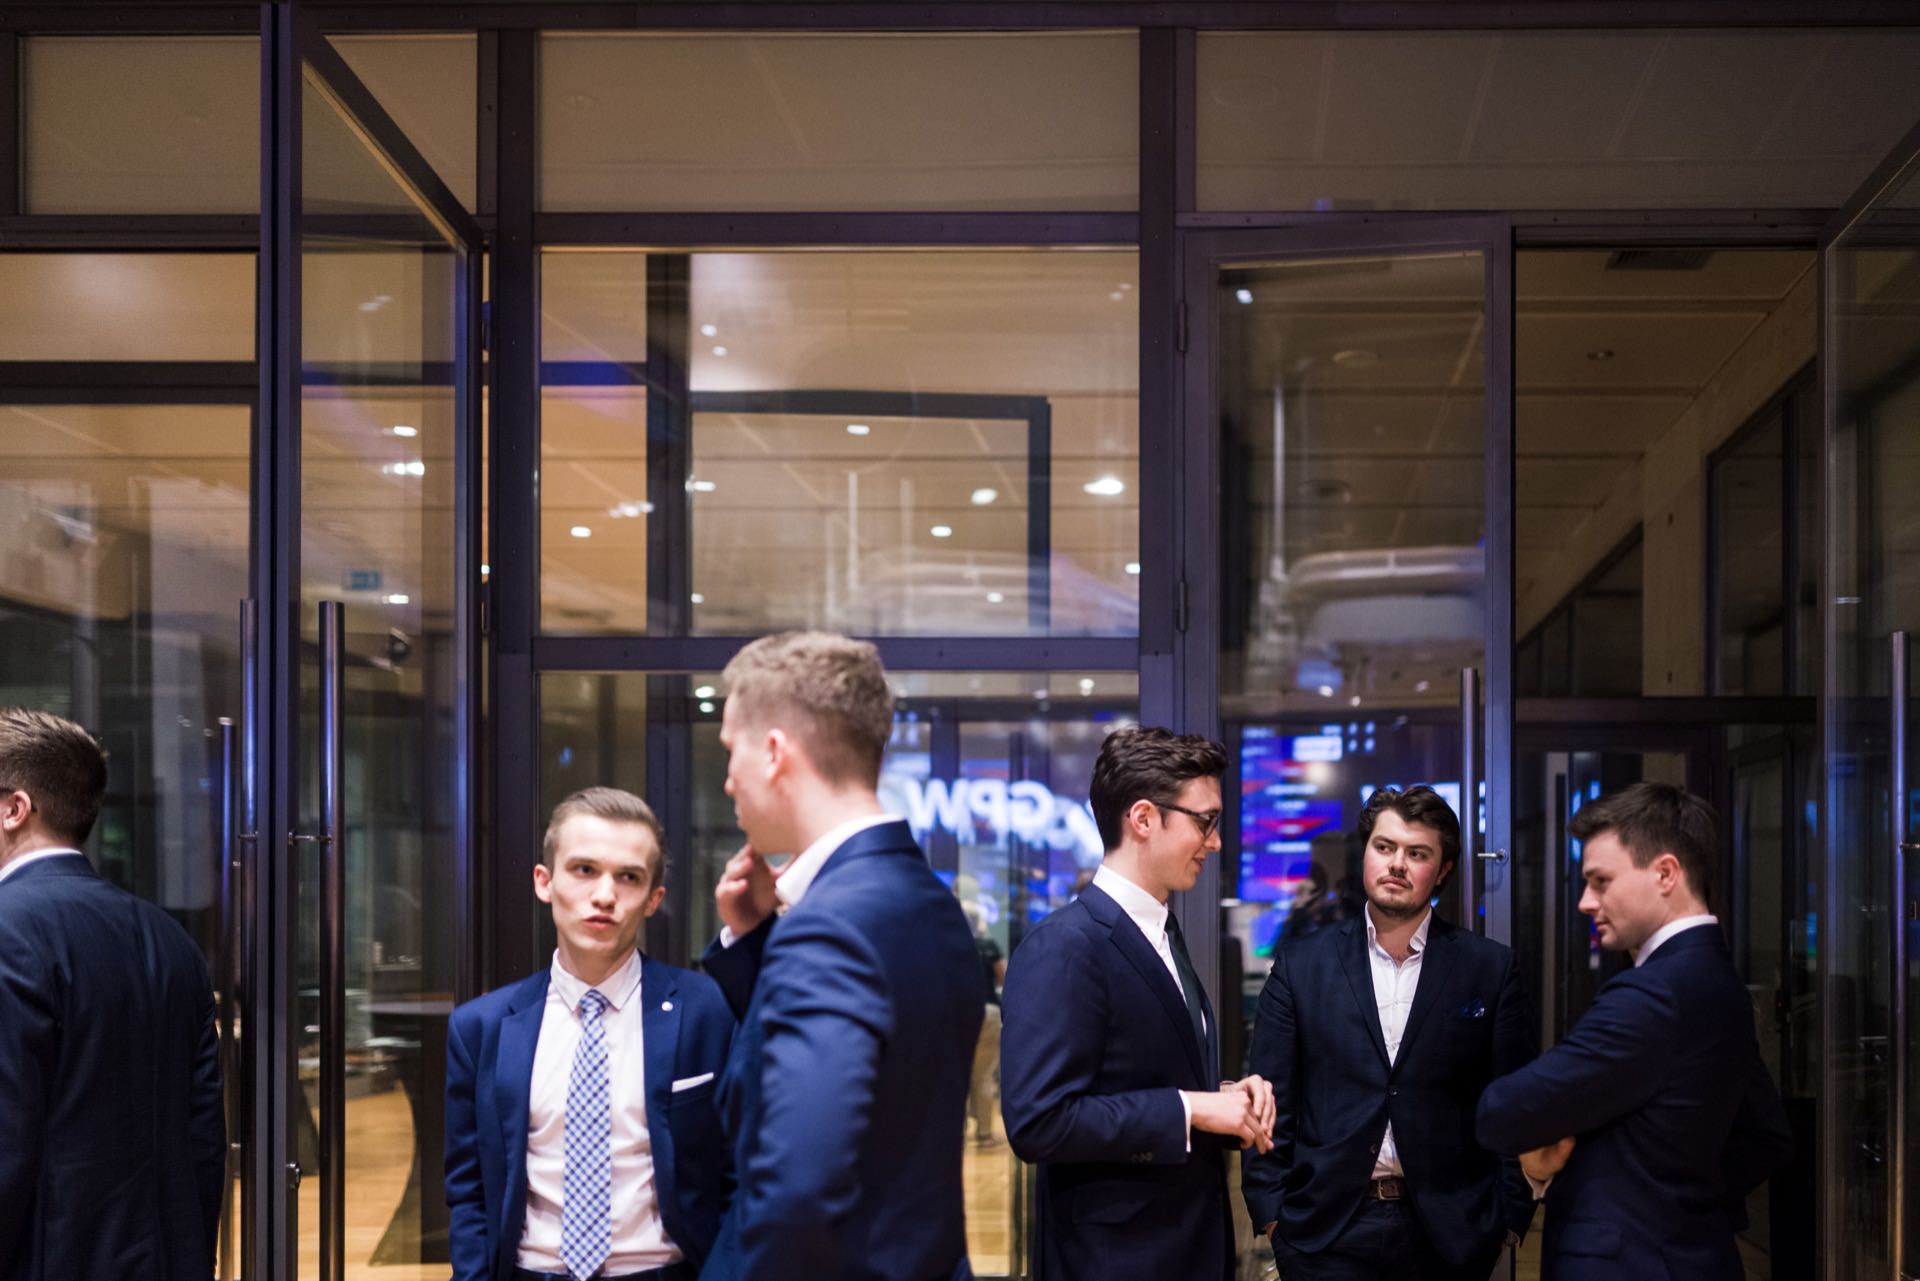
619, 987
34, 857
797, 878
1148, 912
1677, 925
1416, 945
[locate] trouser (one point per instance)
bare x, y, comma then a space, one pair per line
1382, 1242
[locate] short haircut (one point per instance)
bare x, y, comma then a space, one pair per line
827, 690
1147, 764
1419, 806
1651, 819
56, 763
615, 806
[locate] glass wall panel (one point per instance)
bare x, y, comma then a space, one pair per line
117, 124
899, 443
127, 306
849, 121
1749, 582
1873, 527
380, 325
429, 84
1728, 119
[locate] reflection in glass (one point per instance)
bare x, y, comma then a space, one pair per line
902, 443
378, 428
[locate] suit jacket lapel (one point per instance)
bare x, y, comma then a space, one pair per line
1436, 962
660, 1036
1358, 968
1140, 954
513, 1090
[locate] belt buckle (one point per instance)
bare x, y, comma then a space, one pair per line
1388, 1189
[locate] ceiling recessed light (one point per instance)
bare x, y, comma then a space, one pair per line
1040, 693
709, 330
697, 599
1243, 296
941, 531
719, 351
581, 531
404, 431
1117, 295
1421, 687
707, 707
701, 486
1354, 701
1326, 691
399, 598
1600, 353
984, 496
413, 467
704, 691
1086, 685
858, 429
1133, 567
485, 570
1106, 487
994, 598
578, 101
1356, 358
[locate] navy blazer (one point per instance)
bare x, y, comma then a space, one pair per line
1095, 1046
846, 1090
1318, 1039
112, 1134
1674, 1117
685, 1030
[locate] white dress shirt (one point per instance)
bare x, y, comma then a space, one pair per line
797, 877
1677, 925
1150, 915
34, 857
1394, 983
640, 1239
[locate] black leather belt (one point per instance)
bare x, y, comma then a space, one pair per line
1387, 1189
672, 1272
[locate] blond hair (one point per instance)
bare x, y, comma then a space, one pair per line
828, 690
60, 766
615, 806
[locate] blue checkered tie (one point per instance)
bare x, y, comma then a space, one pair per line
586, 1225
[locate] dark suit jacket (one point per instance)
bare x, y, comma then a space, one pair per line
1095, 1046
1662, 1086
112, 1135
846, 1090
1318, 1040
490, 1048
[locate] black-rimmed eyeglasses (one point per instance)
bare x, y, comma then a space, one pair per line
1208, 822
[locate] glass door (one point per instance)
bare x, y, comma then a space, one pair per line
1870, 261
374, 384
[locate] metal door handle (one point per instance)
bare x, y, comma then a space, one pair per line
1492, 856
333, 978
1469, 789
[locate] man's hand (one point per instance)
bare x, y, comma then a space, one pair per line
745, 894
1260, 1090
1234, 1112
1542, 1164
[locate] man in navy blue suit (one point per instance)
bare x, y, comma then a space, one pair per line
582, 1136
1109, 1063
1378, 1035
846, 1090
1655, 1117
112, 1139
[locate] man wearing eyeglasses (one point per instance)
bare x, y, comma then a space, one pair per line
1110, 1049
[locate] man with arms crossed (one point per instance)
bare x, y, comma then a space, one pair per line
846, 1090
582, 1137
1379, 1035
1110, 1049
112, 1139
1655, 1117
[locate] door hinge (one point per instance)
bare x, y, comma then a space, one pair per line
1180, 608
1180, 327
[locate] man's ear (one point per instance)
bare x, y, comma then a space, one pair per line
1140, 816
654, 899
15, 808
1672, 875
543, 882
780, 753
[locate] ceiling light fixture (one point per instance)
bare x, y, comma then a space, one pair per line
701, 486
1106, 487
994, 598
697, 599
581, 531
707, 708
399, 598
1326, 691
1133, 567
629, 511
1356, 358
403, 431
1600, 353
941, 531
719, 351
709, 330
858, 429
983, 496
1244, 297
705, 691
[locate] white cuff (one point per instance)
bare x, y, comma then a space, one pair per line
727, 937
1186, 1111
1539, 1186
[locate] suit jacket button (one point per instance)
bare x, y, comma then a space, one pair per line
1374, 1150
1393, 1093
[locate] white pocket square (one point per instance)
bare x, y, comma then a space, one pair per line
692, 1082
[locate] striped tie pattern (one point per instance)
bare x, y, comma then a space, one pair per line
586, 1221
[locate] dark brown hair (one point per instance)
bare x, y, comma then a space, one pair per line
1651, 819
615, 806
57, 764
1418, 806
1146, 764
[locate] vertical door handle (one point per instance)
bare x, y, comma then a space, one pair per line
240, 815
1899, 802
333, 978
1469, 793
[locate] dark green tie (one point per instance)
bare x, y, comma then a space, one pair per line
1189, 981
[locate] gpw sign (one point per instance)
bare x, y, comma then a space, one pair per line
990, 811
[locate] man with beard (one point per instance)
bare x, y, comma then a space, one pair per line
1378, 1036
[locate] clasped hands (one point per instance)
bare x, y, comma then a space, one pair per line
1542, 1164
1240, 1109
